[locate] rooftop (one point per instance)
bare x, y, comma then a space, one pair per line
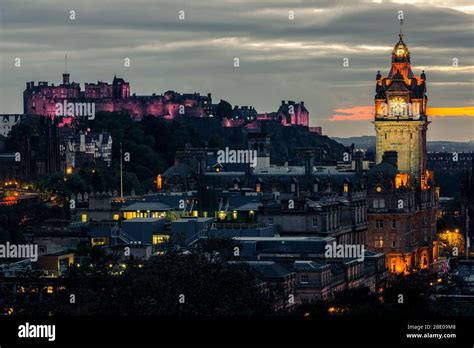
270, 269
154, 206
148, 219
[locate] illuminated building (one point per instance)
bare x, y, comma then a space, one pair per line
86, 149
55, 264
41, 99
289, 114
145, 210
402, 198
400, 114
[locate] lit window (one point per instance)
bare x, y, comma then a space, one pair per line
99, 241
160, 238
251, 213
84, 217
159, 182
379, 242
116, 217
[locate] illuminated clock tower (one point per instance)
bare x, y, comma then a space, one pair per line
400, 114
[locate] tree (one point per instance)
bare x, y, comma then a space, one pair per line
216, 141
224, 109
169, 285
64, 185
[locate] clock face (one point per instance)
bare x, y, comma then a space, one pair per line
398, 107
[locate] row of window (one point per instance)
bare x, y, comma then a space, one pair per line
378, 242
304, 278
379, 223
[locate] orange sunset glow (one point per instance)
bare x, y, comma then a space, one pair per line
364, 113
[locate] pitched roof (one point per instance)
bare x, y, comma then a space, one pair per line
144, 206
270, 269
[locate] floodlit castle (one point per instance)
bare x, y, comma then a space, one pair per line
43, 99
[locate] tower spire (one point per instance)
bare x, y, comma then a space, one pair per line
66, 74
401, 29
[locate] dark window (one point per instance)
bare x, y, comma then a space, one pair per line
379, 223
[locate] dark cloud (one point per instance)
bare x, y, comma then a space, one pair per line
280, 59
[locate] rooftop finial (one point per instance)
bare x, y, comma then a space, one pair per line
65, 63
401, 31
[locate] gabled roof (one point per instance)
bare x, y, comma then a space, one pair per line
144, 206
270, 269
301, 265
398, 86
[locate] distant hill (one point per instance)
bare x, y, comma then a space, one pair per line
368, 142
